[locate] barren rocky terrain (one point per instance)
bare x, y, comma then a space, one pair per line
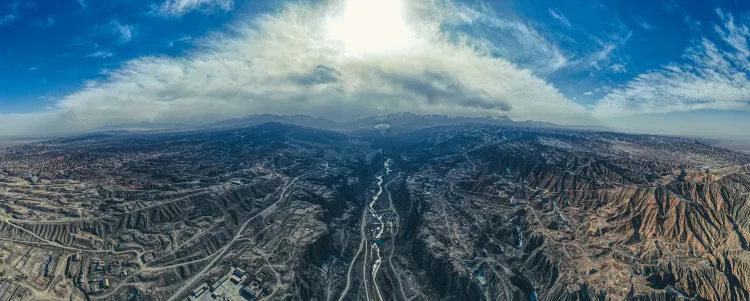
459, 212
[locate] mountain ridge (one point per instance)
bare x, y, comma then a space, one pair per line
397, 122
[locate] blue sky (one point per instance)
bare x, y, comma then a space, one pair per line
51, 48
671, 67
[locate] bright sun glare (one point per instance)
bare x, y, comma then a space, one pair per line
371, 27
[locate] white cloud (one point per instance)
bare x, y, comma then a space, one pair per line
513, 40
8, 19
120, 33
618, 68
603, 55
645, 25
588, 93
714, 78
182, 39
123, 33
16, 7
287, 63
11, 17
101, 54
178, 8
44, 23
557, 15
602, 58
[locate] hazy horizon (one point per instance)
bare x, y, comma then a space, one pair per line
738, 141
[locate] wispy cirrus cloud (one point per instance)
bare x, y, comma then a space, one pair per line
103, 54
105, 36
645, 25
618, 68
8, 19
511, 39
604, 58
714, 76
14, 14
122, 33
557, 15
178, 8
172, 43
44, 23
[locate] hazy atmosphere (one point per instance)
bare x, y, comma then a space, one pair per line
664, 67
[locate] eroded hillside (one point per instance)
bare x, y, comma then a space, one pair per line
282, 212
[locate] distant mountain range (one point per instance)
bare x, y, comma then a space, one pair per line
144, 126
393, 123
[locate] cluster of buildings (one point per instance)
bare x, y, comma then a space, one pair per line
12, 291
99, 275
234, 286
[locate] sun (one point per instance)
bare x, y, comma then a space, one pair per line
370, 27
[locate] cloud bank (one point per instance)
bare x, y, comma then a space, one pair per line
713, 76
291, 62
